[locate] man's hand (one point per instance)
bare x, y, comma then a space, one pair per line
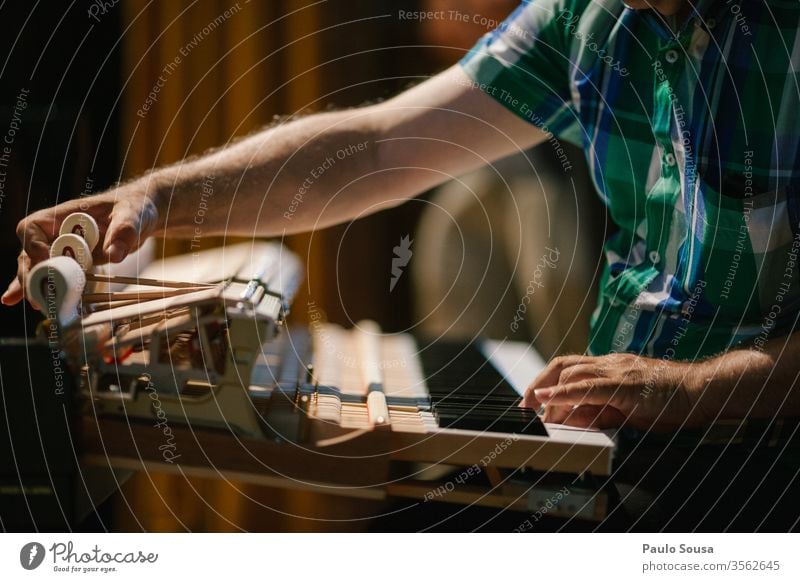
616, 390
126, 216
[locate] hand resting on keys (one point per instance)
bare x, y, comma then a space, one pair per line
621, 390
125, 219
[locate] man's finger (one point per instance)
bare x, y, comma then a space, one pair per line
121, 235
549, 376
556, 414
24, 265
35, 241
16, 290
13, 294
556, 366
591, 391
128, 228
599, 417
532, 394
579, 372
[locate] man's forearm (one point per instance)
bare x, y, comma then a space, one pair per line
751, 382
283, 179
329, 168
307, 174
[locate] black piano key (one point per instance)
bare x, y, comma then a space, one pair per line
472, 401
514, 412
467, 392
525, 423
457, 369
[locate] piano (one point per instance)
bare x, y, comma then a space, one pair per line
192, 368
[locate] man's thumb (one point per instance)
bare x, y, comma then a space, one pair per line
123, 234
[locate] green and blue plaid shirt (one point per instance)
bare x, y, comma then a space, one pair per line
692, 137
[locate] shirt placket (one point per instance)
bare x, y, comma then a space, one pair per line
662, 197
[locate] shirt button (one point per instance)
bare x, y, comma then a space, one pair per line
655, 257
669, 159
711, 23
671, 56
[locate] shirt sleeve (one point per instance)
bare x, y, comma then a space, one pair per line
525, 64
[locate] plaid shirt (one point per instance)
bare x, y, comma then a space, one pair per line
691, 136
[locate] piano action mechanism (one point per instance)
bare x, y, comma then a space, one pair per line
191, 367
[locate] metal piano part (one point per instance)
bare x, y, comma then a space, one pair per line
192, 353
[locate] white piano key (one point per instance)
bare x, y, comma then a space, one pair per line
518, 362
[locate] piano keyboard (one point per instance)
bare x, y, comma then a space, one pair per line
436, 401
364, 380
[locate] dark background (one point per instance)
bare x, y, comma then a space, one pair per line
70, 127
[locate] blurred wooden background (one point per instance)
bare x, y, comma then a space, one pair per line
267, 59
